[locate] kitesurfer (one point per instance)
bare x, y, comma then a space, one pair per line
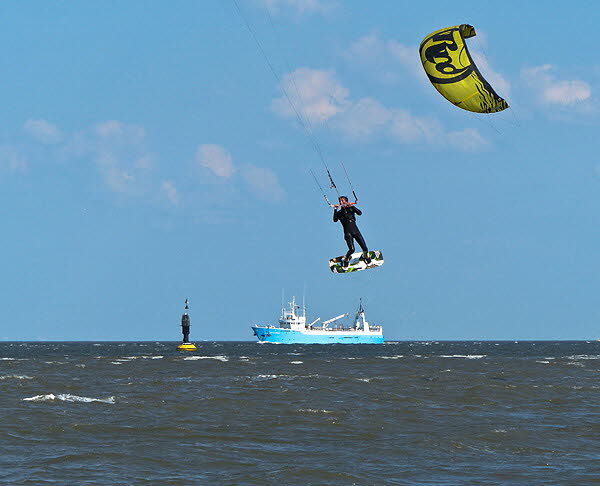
346, 215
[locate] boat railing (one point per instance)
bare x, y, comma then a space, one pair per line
342, 328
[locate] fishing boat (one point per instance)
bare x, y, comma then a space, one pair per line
293, 329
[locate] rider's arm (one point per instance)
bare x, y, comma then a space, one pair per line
356, 210
335, 215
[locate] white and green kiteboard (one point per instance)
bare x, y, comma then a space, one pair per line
356, 263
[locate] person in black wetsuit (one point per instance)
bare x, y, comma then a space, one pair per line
346, 215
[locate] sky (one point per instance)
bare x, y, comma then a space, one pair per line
149, 153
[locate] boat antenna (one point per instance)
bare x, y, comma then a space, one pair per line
349, 182
304, 300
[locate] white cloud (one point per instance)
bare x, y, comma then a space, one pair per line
553, 91
315, 95
215, 158
117, 132
146, 162
300, 6
118, 151
467, 140
385, 56
43, 131
408, 128
366, 49
407, 56
362, 119
117, 179
567, 92
11, 160
263, 182
387, 59
170, 192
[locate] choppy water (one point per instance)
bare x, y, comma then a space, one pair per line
248, 414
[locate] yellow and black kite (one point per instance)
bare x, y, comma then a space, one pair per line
451, 70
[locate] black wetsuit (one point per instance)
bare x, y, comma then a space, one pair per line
346, 216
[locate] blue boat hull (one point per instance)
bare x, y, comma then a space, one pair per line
288, 336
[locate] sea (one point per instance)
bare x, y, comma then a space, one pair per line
242, 413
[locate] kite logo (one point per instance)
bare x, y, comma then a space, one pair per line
445, 58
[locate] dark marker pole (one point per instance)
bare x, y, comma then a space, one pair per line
185, 324
185, 329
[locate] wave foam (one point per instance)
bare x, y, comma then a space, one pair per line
312, 410
194, 358
67, 397
16, 377
267, 377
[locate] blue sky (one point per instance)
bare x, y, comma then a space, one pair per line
148, 154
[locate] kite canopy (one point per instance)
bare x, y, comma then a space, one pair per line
451, 70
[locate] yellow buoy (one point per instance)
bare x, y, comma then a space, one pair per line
187, 347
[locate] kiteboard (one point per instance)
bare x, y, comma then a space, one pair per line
356, 263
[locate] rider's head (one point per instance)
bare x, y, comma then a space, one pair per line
343, 200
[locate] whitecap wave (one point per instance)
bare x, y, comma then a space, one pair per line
296, 362
466, 356
16, 377
67, 397
194, 358
398, 356
312, 410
